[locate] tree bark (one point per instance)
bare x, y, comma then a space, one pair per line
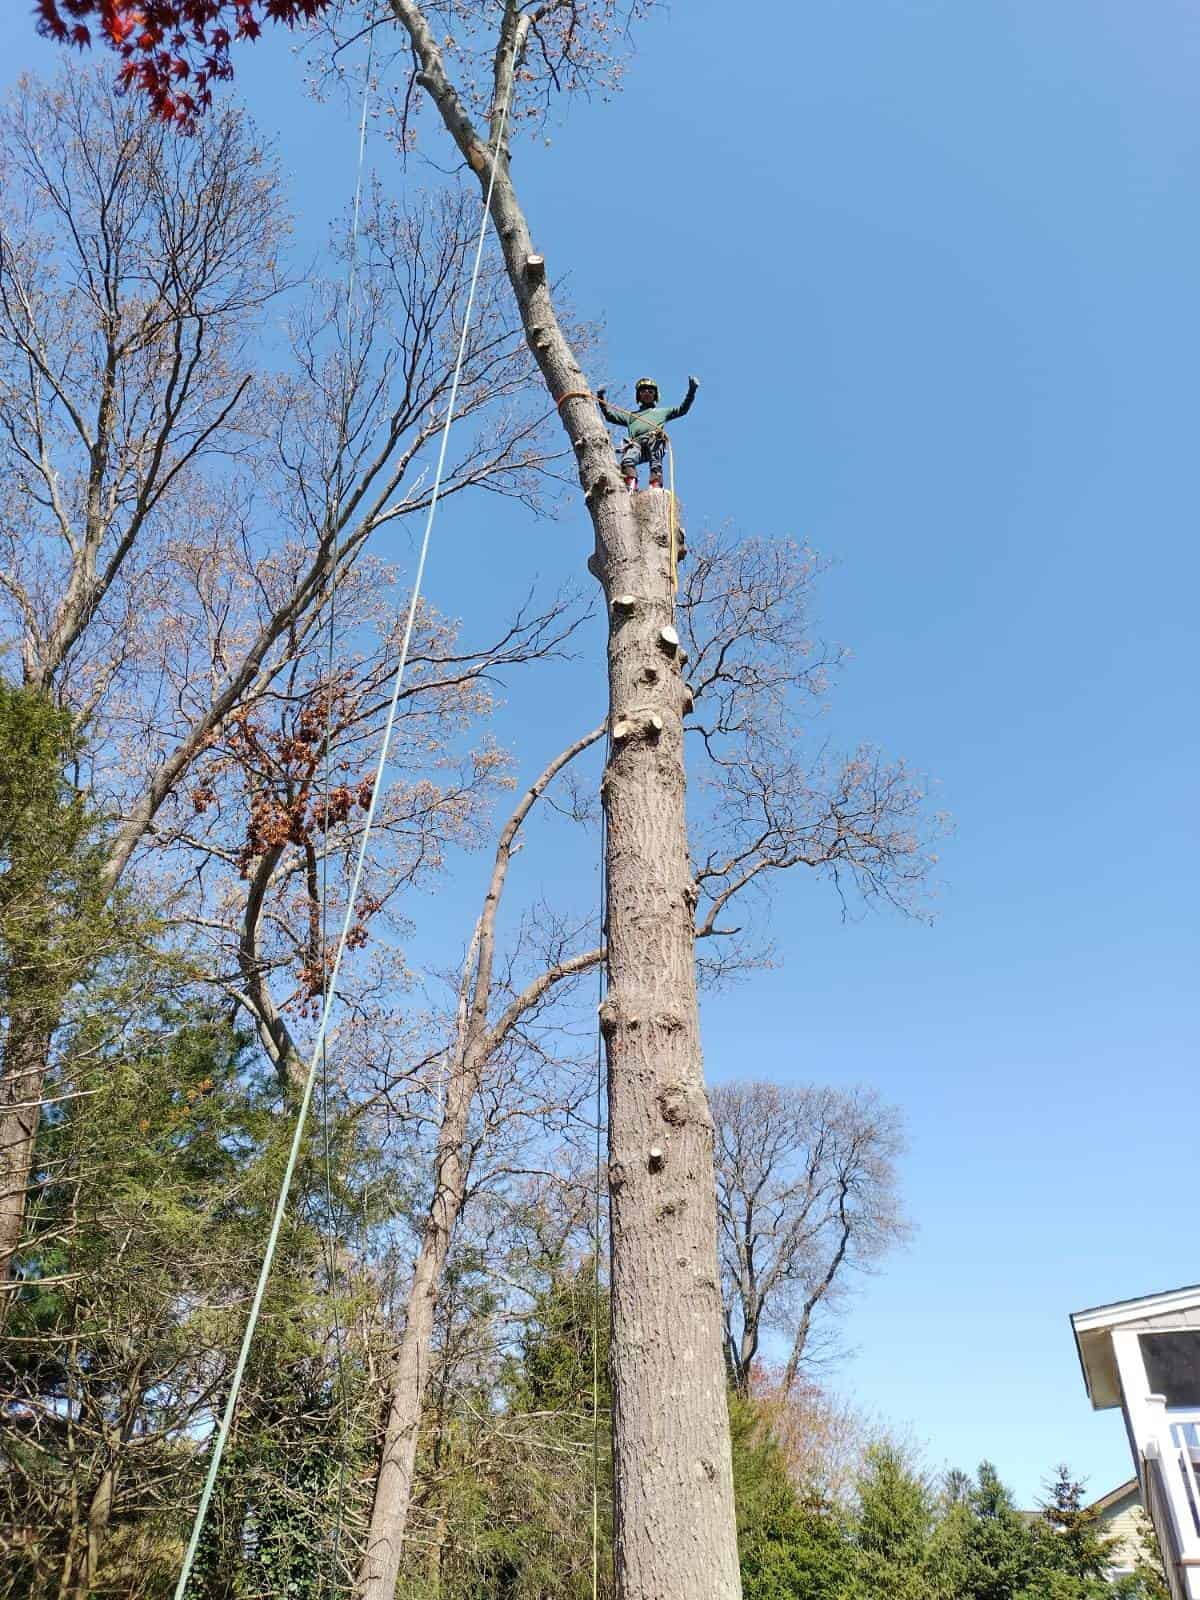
676, 1537
476, 1043
26, 1056
674, 1483
99, 1515
393, 1487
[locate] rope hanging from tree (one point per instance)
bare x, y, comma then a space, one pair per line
377, 786
334, 513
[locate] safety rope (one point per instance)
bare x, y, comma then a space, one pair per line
602, 986
674, 516
226, 1422
330, 1230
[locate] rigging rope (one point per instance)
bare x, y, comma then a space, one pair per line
223, 1429
335, 506
674, 515
602, 986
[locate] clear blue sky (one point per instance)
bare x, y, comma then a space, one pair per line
936, 265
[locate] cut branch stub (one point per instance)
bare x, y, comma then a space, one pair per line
668, 640
648, 723
535, 268
624, 602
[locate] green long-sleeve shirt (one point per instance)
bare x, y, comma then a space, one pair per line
648, 420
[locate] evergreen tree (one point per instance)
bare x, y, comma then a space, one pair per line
986, 1550
509, 1449
506, 1466
893, 1530
158, 1160
791, 1547
1074, 1557
52, 927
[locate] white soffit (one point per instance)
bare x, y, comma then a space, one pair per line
1092, 1329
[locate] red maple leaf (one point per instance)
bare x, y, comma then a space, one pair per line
162, 42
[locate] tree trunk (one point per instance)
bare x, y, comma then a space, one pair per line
394, 1484
676, 1537
674, 1482
26, 1054
99, 1514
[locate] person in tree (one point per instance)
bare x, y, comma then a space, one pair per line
645, 428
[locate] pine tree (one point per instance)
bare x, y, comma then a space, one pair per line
51, 924
893, 1530
791, 1547
985, 1549
157, 1163
1074, 1556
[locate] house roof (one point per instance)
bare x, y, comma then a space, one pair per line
1129, 1490
1092, 1327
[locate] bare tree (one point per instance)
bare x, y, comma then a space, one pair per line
807, 1197
760, 678
149, 461
823, 1436
130, 272
481, 1034
259, 852
675, 1531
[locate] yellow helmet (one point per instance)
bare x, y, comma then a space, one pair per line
645, 383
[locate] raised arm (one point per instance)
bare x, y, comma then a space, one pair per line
685, 405
613, 414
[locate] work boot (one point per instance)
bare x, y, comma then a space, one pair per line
656, 480
631, 482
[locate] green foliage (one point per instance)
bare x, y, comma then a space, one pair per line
50, 917
505, 1507
985, 1549
508, 1455
1073, 1556
158, 1161
791, 1548
564, 1348
892, 1534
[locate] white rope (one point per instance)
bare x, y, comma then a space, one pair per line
239, 1370
330, 1227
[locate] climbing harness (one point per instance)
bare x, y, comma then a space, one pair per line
226, 1422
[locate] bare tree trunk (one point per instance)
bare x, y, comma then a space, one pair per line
26, 1053
476, 1042
676, 1537
674, 1483
410, 1374
99, 1514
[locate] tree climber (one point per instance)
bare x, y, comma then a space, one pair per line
646, 438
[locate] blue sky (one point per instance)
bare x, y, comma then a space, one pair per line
936, 267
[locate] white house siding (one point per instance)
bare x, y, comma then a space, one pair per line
1124, 1522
